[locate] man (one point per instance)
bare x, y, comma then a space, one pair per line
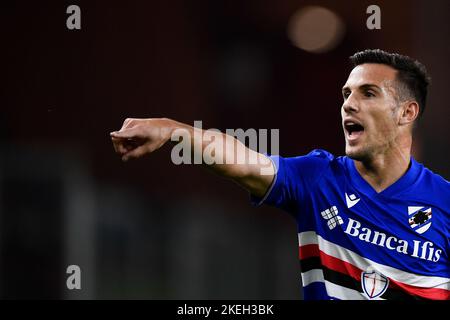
373, 224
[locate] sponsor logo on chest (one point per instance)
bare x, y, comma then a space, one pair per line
419, 221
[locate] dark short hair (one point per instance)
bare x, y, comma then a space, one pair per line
411, 73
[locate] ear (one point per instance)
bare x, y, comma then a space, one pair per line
409, 113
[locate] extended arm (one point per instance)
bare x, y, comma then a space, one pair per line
219, 152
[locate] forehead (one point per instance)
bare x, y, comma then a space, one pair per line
372, 73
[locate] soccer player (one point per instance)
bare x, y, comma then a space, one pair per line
373, 224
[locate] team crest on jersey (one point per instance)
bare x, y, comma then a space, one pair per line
419, 218
373, 283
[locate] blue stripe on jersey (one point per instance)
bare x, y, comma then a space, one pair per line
315, 291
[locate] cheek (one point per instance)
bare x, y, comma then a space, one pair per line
373, 128
384, 126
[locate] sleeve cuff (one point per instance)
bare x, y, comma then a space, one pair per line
257, 201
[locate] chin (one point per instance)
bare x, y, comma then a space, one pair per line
355, 153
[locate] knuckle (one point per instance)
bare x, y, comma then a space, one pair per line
128, 121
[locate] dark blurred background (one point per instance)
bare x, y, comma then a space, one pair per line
149, 229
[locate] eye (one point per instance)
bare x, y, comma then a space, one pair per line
369, 94
346, 94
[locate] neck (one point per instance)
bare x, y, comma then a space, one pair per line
384, 169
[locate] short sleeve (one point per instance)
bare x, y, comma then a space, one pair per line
294, 178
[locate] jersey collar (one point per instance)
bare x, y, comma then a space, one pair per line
401, 184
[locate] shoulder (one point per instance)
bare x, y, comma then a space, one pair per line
321, 154
308, 166
313, 162
318, 156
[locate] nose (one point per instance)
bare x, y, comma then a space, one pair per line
350, 104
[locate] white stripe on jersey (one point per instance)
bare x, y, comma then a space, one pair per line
332, 289
336, 251
307, 237
314, 275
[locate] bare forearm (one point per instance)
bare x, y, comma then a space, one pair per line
226, 156
219, 152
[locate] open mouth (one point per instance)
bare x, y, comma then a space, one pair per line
353, 129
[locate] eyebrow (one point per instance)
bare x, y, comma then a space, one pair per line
364, 87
